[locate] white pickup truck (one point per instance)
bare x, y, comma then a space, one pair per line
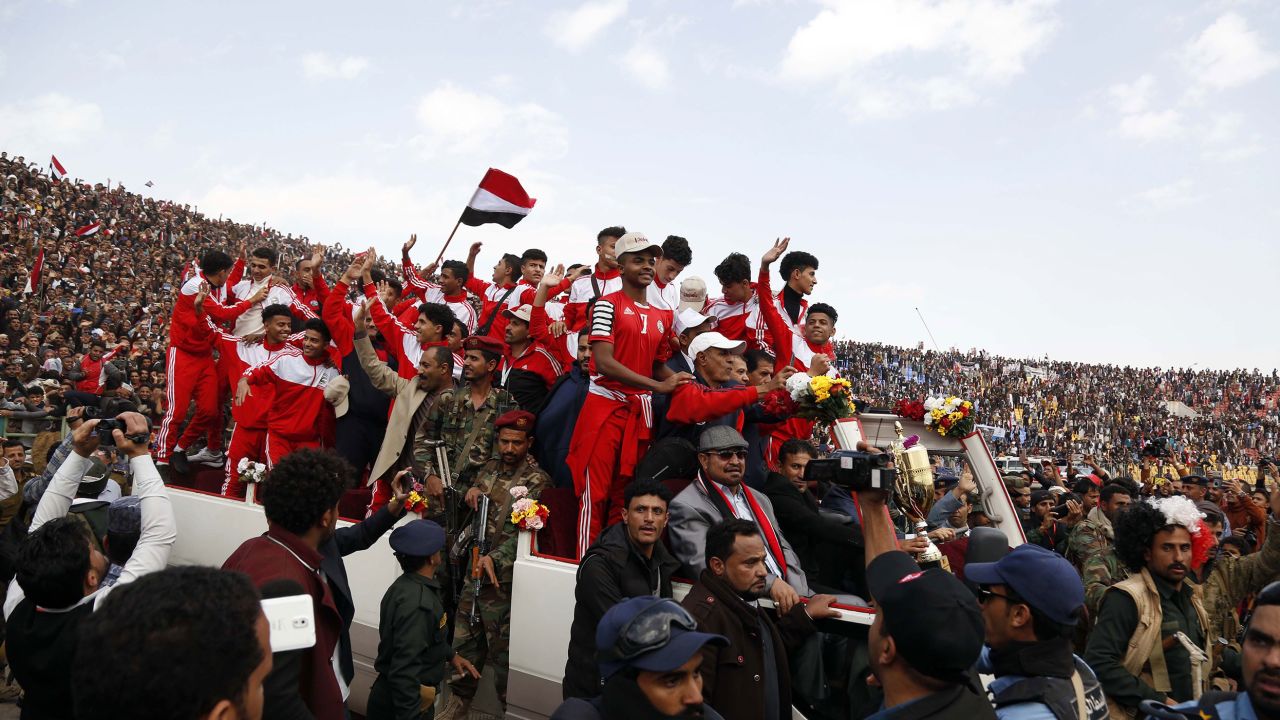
210, 527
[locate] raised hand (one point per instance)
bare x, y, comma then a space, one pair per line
408, 244
553, 277
775, 252
475, 249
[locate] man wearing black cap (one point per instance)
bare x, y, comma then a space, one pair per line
1042, 529
649, 655
413, 644
1031, 602
959, 487
927, 633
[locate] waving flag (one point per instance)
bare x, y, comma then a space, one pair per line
499, 199
33, 281
55, 168
89, 229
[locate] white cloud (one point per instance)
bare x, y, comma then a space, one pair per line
575, 29
867, 47
1166, 197
1228, 54
1134, 97
320, 66
49, 120
458, 121
1150, 126
647, 65
1226, 140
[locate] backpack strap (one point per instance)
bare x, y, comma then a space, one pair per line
502, 301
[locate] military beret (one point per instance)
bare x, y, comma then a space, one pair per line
518, 419
483, 343
420, 538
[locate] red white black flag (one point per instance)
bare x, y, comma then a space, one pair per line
33, 281
499, 199
55, 168
89, 229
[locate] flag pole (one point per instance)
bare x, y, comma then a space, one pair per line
449, 240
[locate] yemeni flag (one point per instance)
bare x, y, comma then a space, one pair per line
499, 199
33, 281
89, 229
55, 168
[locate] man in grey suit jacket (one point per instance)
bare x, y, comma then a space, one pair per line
719, 494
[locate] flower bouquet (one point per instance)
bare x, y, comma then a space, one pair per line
909, 409
527, 513
417, 500
821, 399
251, 472
949, 416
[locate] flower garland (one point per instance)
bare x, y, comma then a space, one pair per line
527, 513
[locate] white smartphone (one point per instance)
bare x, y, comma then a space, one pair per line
292, 621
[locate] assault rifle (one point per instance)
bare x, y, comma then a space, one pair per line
479, 548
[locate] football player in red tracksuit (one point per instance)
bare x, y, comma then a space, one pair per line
299, 416
433, 323
806, 348
495, 295
262, 266
308, 284
190, 371
737, 313
235, 357
92, 366
630, 343
604, 279
451, 291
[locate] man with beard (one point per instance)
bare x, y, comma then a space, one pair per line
650, 654
303, 544
1042, 529
1092, 547
1260, 656
627, 560
482, 623
630, 344
1133, 648
751, 677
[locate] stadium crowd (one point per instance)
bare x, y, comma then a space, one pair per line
145, 345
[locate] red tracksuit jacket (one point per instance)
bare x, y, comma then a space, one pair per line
298, 409
189, 332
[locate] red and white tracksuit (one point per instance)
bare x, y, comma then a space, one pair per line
299, 416
190, 372
428, 291
740, 320
664, 297
492, 303
616, 421
598, 284
314, 296
250, 323
249, 436
400, 339
791, 349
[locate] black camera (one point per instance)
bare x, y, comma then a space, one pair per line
853, 470
1156, 448
107, 422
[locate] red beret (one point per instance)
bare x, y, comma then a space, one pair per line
485, 343
518, 419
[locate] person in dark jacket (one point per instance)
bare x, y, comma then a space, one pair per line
830, 551
750, 679
559, 415
304, 544
627, 560
650, 652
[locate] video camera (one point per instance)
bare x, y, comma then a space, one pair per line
108, 422
853, 470
1156, 448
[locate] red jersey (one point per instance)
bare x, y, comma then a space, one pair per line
95, 372
314, 296
298, 409
427, 291
495, 299
740, 321
235, 357
641, 336
583, 290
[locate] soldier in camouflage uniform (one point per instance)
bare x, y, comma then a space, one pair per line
465, 419
1092, 547
486, 642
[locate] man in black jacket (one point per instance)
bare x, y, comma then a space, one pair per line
830, 551
627, 560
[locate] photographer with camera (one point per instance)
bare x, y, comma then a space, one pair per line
61, 570
1043, 527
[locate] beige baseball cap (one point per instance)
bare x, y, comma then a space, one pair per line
693, 293
635, 242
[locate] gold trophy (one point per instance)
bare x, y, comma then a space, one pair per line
914, 486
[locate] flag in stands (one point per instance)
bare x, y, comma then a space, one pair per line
499, 199
33, 281
56, 169
150, 184
89, 229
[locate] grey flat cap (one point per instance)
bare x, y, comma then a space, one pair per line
721, 437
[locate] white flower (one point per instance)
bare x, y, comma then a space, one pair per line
243, 464
931, 404
798, 386
519, 491
1179, 511
533, 523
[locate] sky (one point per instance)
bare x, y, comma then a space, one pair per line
1089, 180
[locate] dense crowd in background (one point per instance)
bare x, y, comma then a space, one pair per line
651, 408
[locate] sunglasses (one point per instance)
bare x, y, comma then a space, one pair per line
731, 454
649, 630
985, 593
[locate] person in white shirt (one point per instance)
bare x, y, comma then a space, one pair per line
262, 267
664, 293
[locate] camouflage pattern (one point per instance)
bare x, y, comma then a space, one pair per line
455, 420
1234, 578
1092, 549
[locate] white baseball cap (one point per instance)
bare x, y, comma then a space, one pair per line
635, 242
715, 340
693, 293
524, 312
688, 318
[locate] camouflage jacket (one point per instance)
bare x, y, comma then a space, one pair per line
467, 432
496, 481
1233, 578
1092, 549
